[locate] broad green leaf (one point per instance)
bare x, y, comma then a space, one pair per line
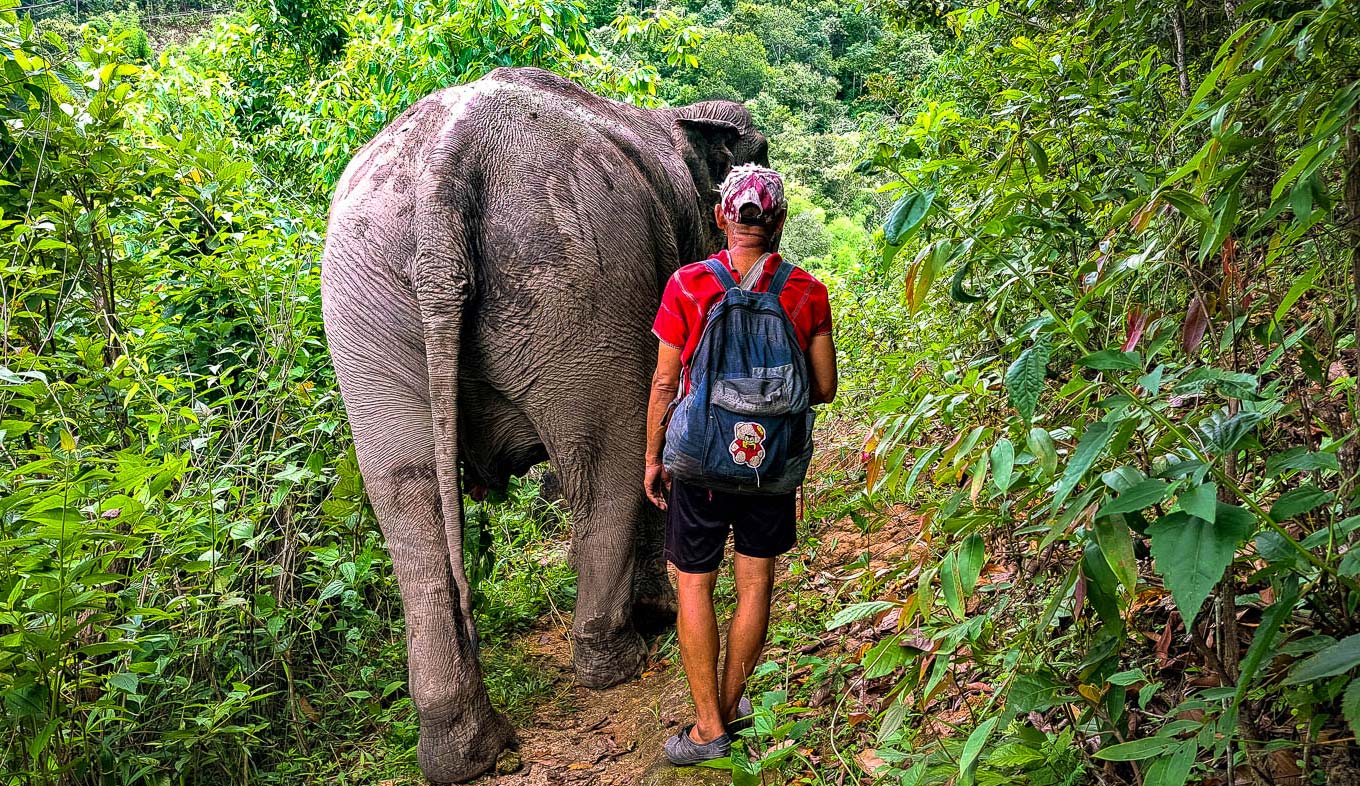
125, 681
1275, 550
1337, 659
1003, 463
1201, 501
956, 290
1301, 285
1089, 448
951, 585
1033, 692
1229, 384
1143, 494
906, 217
858, 611
1298, 502
1025, 378
972, 558
894, 717
1325, 535
1040, 443
1112, 360
1173, 769
1122, 478
886, 657
1102, 586
1223, 432
1190, 554
1301, 460
1037, 154
1262, 646
1014, 755
973, 747
335, 587
1151, 382
1350, 706
1350, 564
1116, 543
1189, 205
1136, 750
1126, 678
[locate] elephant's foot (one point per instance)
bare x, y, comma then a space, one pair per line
605, 659
461, 743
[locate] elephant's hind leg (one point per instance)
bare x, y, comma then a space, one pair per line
460, 733
373, 330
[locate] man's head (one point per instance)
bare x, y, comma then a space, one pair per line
751, 207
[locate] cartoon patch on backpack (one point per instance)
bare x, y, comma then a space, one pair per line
748, 445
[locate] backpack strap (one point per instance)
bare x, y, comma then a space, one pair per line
781, 277
752, 277
724, 275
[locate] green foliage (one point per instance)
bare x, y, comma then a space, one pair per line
1127, 417
1139, 285
190, 568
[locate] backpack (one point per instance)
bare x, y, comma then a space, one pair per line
745, 424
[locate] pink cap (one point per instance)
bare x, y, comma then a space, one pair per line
750, 184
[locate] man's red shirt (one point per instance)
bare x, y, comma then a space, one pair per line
693, 289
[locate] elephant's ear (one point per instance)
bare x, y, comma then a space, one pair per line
706, 145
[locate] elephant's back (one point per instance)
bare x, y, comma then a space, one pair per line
566, 205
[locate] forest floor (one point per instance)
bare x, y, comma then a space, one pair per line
614, 736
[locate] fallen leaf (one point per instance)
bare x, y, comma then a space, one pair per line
1163, 648
869, 761
307, 709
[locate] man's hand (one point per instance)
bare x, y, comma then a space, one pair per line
657, 484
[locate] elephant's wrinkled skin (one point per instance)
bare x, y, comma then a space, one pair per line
492, 266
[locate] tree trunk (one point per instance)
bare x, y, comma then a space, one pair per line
1351, 192
1182, 68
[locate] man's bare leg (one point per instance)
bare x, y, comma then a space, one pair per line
746, 634
697, 629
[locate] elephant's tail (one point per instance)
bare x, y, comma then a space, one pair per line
442, 276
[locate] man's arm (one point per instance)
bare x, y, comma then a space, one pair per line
665, 386
821, 356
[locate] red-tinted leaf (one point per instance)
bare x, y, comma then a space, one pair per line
1195, 324
1144, 215
1134, 325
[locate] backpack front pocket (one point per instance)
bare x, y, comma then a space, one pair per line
769, 392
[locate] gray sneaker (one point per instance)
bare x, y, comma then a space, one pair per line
684, 752
745, 717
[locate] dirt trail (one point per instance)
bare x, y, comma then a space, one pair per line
613, 737
609, 737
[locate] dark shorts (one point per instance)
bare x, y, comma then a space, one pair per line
697, 520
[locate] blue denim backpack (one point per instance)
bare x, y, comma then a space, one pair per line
746, 423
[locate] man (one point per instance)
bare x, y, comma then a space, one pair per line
751, 211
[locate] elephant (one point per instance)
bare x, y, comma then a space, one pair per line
493, 262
